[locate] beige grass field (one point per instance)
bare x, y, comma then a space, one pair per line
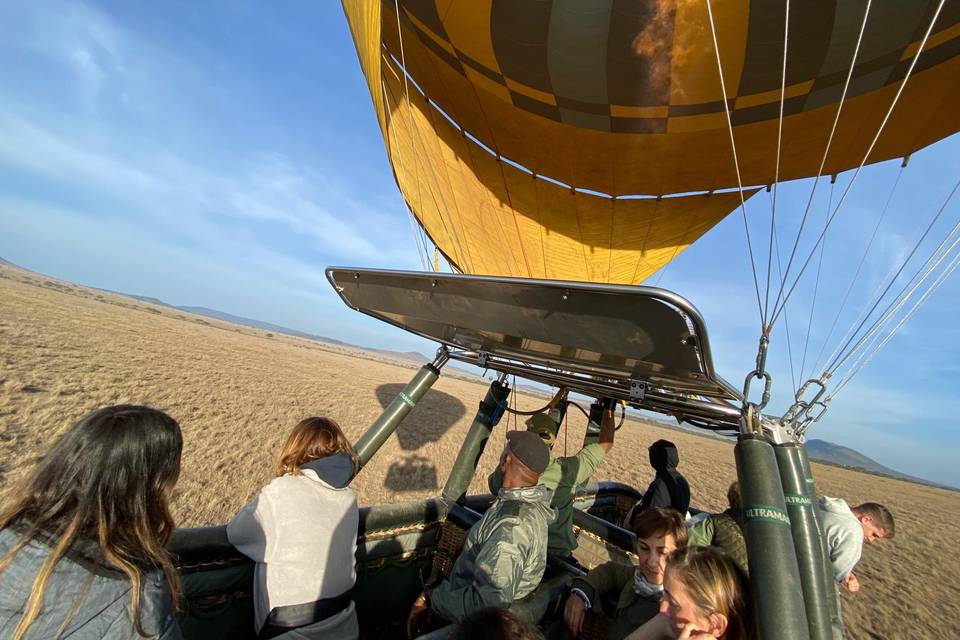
65, 350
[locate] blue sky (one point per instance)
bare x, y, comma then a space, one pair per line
223, 154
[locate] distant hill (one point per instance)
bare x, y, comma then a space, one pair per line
250, 322
845, 456
824, 451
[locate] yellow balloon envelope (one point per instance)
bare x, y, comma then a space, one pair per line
583, 140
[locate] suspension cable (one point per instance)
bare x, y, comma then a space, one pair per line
816, 290
826, 153
406, 90
837, 362
415, 136
864, 361
786, 318
415, 225
856, 275
873, 143
901, 301
915, 282
421, 249
776, 172
736, 164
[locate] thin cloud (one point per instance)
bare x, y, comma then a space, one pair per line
181, 191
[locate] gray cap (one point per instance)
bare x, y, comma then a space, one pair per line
529, 449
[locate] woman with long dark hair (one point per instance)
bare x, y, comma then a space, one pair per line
302, 532
82, 550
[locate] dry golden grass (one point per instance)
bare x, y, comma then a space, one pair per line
65, 350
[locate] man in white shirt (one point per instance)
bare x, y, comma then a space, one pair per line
846, 529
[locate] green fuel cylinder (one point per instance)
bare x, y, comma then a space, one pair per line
378, 433
489, 414
806, 538
808, 482
774, 575
830, 585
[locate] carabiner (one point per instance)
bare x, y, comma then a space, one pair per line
767, 387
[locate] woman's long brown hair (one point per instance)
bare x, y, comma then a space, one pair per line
106, 480
311, 439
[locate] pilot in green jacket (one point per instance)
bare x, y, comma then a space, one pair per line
505, 552
562, 476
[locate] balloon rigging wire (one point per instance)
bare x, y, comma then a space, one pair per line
736, 165
406, 88
415, 135
873, 143
421, 250
866, 360
913, 284
856, 276
500, 158
418, 239
823, 160
816, 290
776, 173
676, 249
543, 247
786, 320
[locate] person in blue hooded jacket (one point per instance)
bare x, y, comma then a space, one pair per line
668, 489
303, 528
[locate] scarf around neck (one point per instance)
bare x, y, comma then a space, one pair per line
644, 588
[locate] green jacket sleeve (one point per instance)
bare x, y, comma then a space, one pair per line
497, 573
588, 459
701, 534
608, 578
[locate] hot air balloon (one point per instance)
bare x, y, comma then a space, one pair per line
592, 141
557, 153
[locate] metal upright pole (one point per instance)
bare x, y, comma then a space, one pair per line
806, 538
488, 415
378, 433
774, 576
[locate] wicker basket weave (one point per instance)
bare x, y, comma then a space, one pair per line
448, 548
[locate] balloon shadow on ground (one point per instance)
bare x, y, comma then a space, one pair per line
427, 422
413, 473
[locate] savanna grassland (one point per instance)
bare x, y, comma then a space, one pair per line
236, 391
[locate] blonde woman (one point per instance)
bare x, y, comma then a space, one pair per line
302, 532
82, 542
705, 595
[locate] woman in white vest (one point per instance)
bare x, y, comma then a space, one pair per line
302, 532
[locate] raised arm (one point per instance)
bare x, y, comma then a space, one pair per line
607, 429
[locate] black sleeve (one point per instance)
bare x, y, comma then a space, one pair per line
660, 495
647, 496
